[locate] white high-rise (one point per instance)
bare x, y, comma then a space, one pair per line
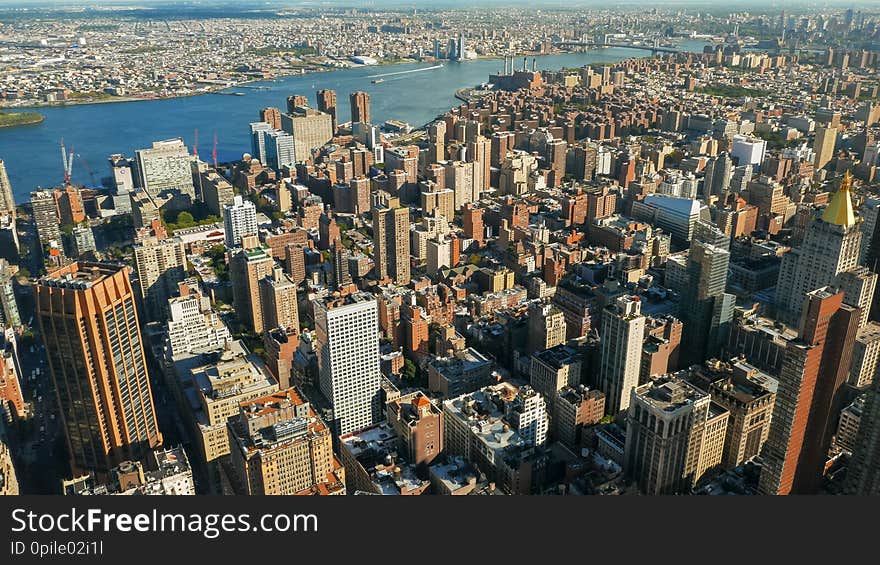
239, 218
347, 331
193, 324
623, 330
165, 169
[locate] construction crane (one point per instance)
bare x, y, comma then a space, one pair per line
66, 162
88, 168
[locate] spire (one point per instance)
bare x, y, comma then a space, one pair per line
840, 211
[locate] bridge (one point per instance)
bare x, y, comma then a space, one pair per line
651, 48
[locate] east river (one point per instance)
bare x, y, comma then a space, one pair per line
95, 131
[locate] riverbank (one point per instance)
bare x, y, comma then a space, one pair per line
15, 119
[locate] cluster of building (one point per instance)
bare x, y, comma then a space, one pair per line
656, 276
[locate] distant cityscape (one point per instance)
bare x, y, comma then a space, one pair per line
647, 275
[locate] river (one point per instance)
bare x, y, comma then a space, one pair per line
95, 131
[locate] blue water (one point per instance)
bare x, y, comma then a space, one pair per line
95, 131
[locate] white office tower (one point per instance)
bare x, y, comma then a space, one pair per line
748, 150
165, 171
193, 325
527, 413
239, 218
623, 329
347, 336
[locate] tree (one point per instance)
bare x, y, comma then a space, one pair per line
409, 370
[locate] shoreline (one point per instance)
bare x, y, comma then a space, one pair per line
218, 88
37, 118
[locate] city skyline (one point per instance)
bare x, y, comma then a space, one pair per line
620, 252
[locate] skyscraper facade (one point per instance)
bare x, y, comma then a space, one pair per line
89, 323
160, 265
623, 331
239, 219
347, 338
327, 104
360, 107
830, 247
391, 240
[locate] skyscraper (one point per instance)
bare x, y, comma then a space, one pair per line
310, 129
718, 173
391, 239
674, 434
247, 267
830, 247
823, 147
278, 301
271, 116
164, 170
161, 265
89, 323
45, 213
705, 308
347, 336
863, 474
623, 331
7, 201
360, 107
327, 104
796, 399
239, 219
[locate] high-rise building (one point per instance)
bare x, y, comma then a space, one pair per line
280, 149
193, 324
674, 434
803, 399
718, 172
9, 315
705, 309
749, 395
279, 446
391, 240
7, 201
823, 146
46, 217
360, 107
865, 357
347, 344
418, 424
259, 130
164, 170
160, 266
311, 129
830, 247
546, 327
89, 323
239, 219
247, 267
278, 301
217, 192
622, 334
295, 101
863, 473
271, 116
327, 104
